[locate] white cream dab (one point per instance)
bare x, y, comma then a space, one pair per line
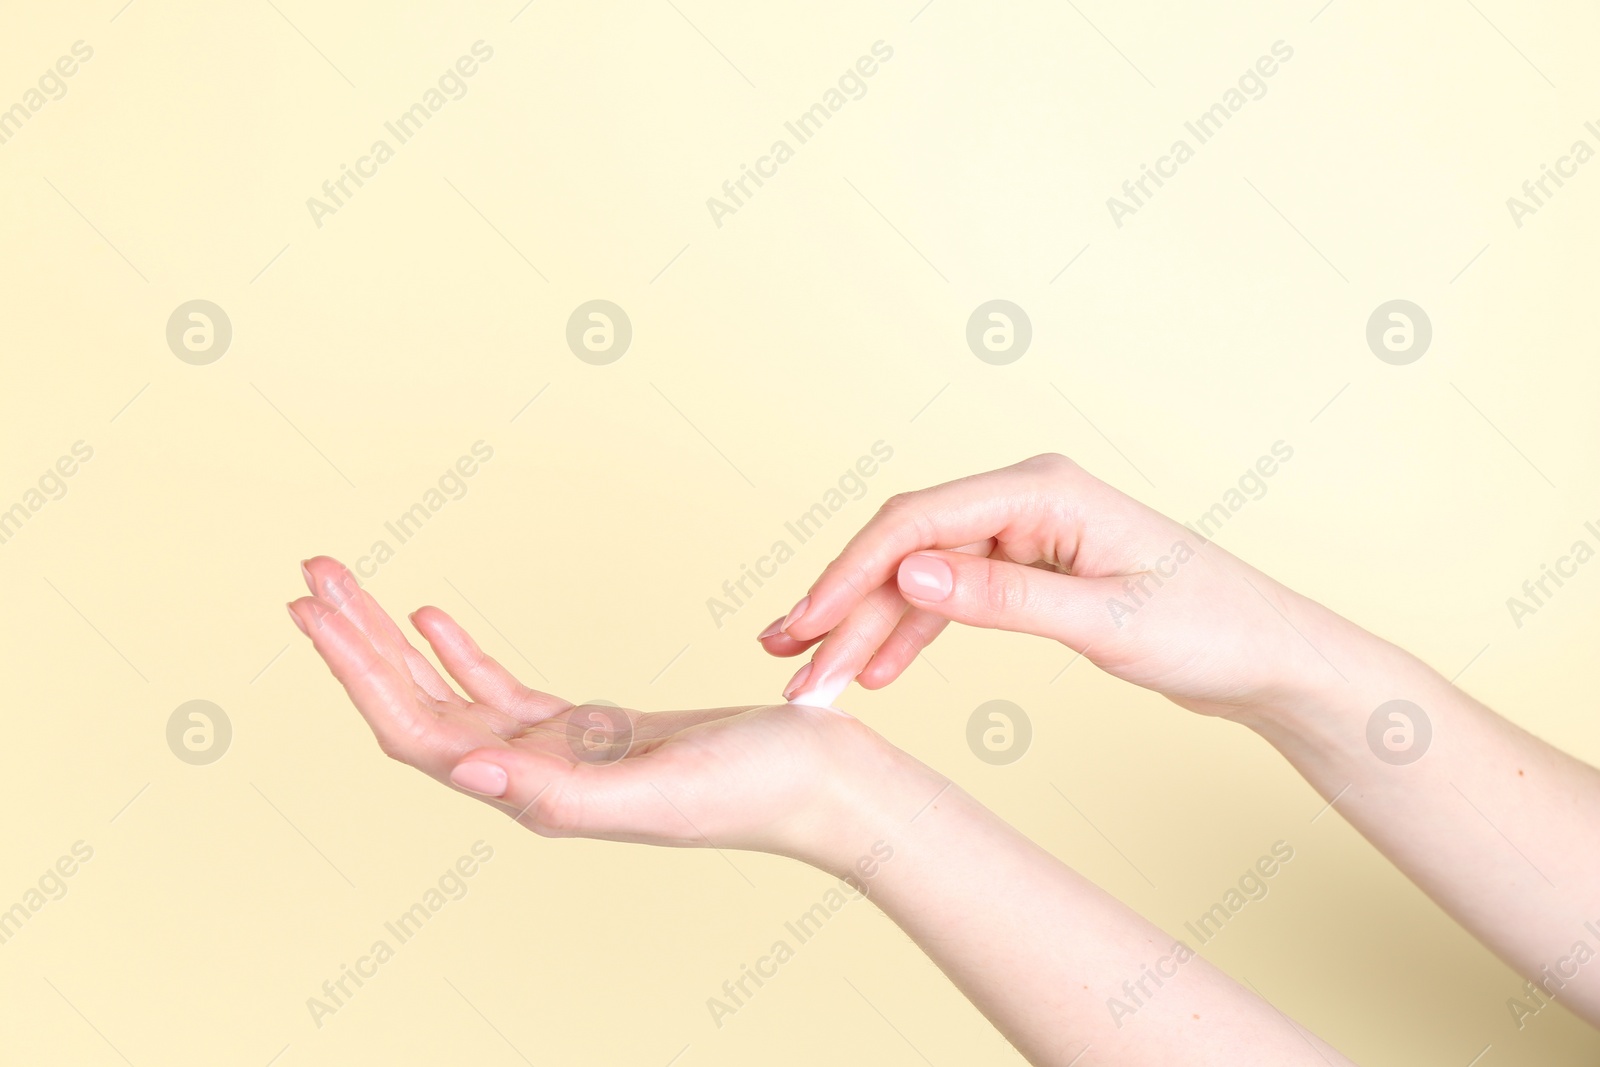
821, 696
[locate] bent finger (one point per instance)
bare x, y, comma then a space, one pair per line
331, 580
916, 631
386, 697
976, 508
775, 642
482, 677
847, 648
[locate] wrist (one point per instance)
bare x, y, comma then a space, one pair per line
1347, 674
870, 793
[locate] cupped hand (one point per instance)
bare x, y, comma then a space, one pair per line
770, 778
1043, 547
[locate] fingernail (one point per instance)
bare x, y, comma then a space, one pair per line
298, 621
795, 612
773, 630
926, 577
485, 779
797, 681
305, 571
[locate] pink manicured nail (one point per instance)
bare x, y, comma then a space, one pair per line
773, 630
485, 779
926, 577
795, 612
797, 681
297, 620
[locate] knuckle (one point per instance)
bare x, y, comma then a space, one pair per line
1053, 463
1005, 590
392, 747
857, 577
554, 813
907, 509
898, 504
402, 743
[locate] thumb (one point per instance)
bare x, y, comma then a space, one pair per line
1000, 595
555, 797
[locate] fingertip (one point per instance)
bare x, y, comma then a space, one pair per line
327, 577
925, 577
796, 613
810, 619
783, 646
481, 776
436, 624
875, 676
318, 564
306, 608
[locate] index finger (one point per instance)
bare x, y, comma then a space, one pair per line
387, 699
948, 516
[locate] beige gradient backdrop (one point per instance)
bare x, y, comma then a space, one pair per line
768, 354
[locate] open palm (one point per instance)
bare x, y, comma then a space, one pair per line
749, 777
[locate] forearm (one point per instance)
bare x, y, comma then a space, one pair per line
1495, 825
1058, 965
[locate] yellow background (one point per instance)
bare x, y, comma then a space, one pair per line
768, 354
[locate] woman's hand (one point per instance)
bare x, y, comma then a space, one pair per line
1045, 548
1039, 949
781, 779
1489, 821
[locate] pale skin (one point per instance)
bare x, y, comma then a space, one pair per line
1497, 826
1494, 824
1039, 949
